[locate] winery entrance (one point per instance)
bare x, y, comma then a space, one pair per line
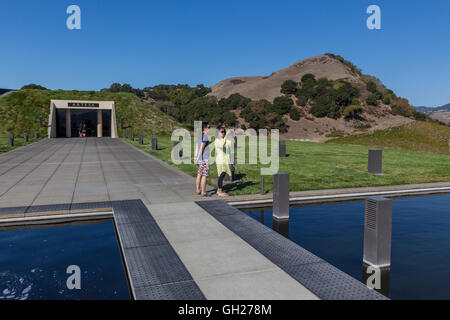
70, 119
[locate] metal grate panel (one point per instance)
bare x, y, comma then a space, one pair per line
140, 234
155, 265
329, 283
187, 290
371, 215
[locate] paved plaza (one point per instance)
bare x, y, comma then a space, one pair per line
79, 170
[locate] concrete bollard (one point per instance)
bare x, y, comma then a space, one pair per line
281, 196
132, 136
378, 232
262, 185
25, 137
154, 143
375, 161
36, 134
11, 140
125, 134
282, 149
141, 139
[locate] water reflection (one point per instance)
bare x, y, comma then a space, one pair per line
281, 226
377, 278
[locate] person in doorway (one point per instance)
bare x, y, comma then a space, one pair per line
222, 146
201, 158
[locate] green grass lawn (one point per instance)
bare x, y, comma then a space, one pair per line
314, 166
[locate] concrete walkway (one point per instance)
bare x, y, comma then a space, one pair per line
64, 171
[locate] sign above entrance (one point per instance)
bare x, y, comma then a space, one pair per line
84, 104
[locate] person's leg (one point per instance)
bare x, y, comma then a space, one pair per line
220, 184
198, 181
205, 174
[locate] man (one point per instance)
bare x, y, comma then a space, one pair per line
202, 160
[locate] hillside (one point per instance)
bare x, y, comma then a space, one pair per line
20, 111
418, 136
372, 107
439, 113
268, 87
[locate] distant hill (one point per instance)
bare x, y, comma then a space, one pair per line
268, 87
441, 113
20, 111
379, 108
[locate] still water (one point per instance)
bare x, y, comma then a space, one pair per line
34, 261
420, 264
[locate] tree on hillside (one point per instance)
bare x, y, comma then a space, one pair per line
33, 86
289, 87
126, 88
234, 102
282, 105
115, 87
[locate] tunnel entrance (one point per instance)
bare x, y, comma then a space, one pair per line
82, 119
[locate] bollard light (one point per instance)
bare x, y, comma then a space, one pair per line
25, 137
282, 149
378, 232
11, 140
36, 134
281, 196
375, 164
125, 134
154, 143
141, 139
132, 136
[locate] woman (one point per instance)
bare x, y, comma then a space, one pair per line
202, 160
222, 145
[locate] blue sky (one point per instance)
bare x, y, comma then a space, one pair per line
147, 42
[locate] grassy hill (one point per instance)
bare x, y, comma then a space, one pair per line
418, 136
20, 111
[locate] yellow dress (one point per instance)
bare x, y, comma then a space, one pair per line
222, 157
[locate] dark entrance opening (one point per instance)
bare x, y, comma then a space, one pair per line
106, 123
60, 123
83, 123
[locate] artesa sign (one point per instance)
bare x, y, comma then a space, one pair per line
84, 104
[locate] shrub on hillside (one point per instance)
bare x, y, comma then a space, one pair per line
352, 112
386, 100
372, 100
289, 87
302, 100
371, 86
294, 114
234, 102
401, 107
323, 106
282, 105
